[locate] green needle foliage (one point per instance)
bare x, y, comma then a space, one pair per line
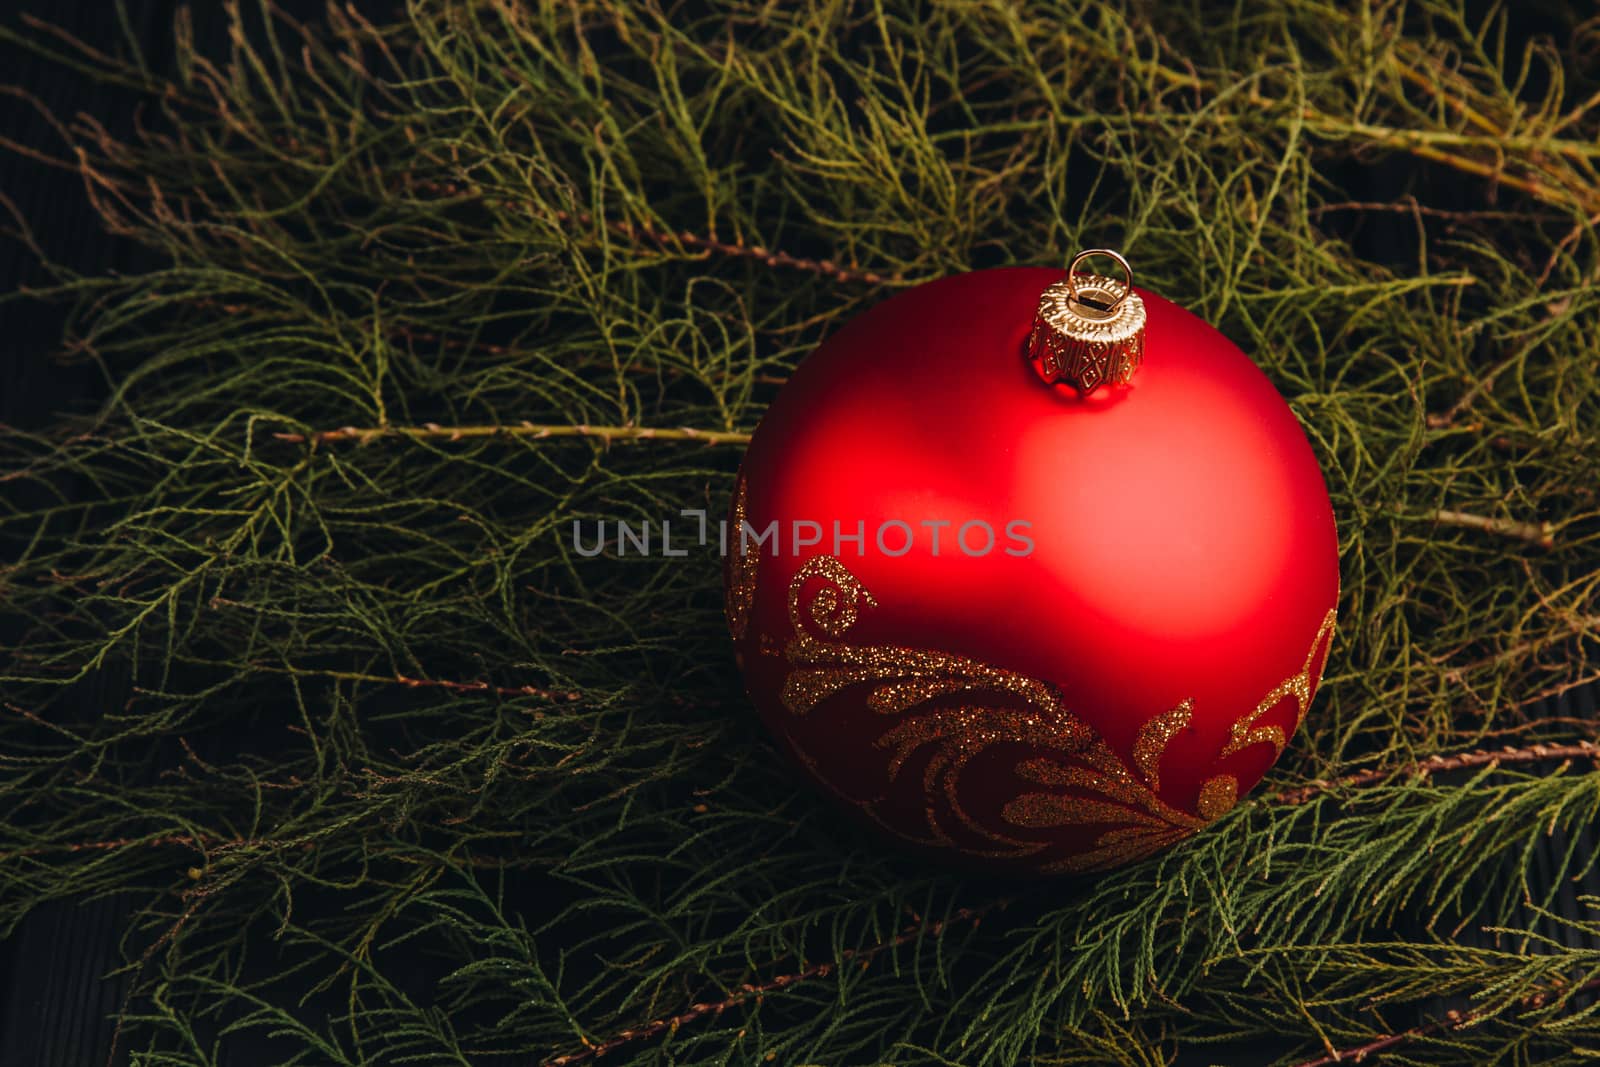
403, 778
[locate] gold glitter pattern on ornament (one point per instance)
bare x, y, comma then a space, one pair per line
1245, 732
1154, 737
1085, 782
834, 607
741, 593
1218, 796
906, 679
895, 697
959, 734
1106, 792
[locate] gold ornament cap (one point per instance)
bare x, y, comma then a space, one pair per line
1088, 331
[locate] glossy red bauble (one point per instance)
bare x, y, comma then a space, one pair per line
1015, 624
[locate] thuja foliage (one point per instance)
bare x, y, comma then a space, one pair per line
310, 674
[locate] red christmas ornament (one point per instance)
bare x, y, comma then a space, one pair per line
1044, 582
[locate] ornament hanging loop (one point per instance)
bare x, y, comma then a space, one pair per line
1127, 277
1088, 330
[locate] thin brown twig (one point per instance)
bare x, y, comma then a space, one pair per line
1438, 764
684, 239
201, 842
1558, 690
1568, 626
216, 844
738, 249
432, 431
1562, 246
1409, 205
417, 335
861, 957
1542, 534
103, 846
557, 695
567, 695
1545, 723
1452, 1020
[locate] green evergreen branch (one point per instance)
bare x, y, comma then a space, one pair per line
487, 222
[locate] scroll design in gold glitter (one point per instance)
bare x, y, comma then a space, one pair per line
1153, 738
1245, 732
740, 596
904, 680
1218, 796
1150, 823
1140, 822
1104, 789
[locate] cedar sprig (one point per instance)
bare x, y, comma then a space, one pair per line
483, 794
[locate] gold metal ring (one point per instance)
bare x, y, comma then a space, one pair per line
1127, 274
1089, 334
